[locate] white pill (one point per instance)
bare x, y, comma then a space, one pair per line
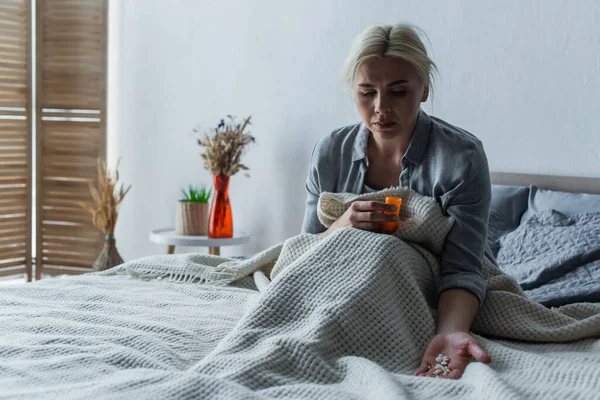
444, 363
437, 372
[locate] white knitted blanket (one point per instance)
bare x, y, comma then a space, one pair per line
345, 317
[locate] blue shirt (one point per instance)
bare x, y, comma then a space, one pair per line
442, 161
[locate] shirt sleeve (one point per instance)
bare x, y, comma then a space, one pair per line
314, 188
469, 204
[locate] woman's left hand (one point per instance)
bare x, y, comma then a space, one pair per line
459, 347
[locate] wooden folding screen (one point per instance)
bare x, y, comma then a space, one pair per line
15, 137
71, 46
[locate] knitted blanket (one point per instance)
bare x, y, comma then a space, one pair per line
346, 316
101, 337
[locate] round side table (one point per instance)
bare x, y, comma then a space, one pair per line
171, 239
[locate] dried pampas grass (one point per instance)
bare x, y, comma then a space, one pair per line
105, 199
224, 148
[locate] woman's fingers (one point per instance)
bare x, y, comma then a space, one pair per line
367, 226
478, 353
372, 206
454, 374
368, 215
423, 368
375, 216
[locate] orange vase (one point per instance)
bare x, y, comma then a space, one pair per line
220, 224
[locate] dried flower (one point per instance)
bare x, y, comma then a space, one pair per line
224, 148
105, 204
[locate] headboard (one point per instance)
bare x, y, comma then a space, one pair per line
551, 182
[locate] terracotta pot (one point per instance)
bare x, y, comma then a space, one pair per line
191, 218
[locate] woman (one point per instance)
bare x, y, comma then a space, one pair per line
398, 144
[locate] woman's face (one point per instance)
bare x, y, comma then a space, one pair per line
389, 94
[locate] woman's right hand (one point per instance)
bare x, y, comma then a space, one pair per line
366, 215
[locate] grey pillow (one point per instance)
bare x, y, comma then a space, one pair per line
509, 202
563, 202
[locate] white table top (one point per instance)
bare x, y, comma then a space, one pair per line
168, 236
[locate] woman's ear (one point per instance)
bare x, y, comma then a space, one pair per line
425, 94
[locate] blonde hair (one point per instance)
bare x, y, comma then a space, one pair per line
400, 41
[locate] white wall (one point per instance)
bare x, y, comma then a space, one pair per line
524, 76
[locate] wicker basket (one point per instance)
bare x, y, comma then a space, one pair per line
191, 218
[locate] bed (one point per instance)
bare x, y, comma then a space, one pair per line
545, 231
280, 325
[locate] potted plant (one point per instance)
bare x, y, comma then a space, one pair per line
192, 211
224, 147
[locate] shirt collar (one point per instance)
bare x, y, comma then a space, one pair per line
416, 148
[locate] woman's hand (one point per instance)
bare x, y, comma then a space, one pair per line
459, 347
366, 215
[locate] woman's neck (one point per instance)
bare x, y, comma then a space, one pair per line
391, 147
